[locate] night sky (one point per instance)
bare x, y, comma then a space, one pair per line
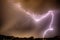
17, 23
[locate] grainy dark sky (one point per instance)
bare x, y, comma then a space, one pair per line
8, 14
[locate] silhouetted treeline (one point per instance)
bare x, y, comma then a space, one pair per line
2, 37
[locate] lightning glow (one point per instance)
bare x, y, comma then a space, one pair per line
38, 18
50, 26
35, 17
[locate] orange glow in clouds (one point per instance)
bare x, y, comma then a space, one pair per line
38, 18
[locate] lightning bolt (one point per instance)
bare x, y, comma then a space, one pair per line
38, 18
35, 17
50, 26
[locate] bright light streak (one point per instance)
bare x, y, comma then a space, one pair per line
38, 18
47, 30
50, 26
35, 17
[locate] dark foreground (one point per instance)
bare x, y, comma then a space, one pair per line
2, 37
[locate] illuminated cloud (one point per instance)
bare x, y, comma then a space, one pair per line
38, 18
35, 17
